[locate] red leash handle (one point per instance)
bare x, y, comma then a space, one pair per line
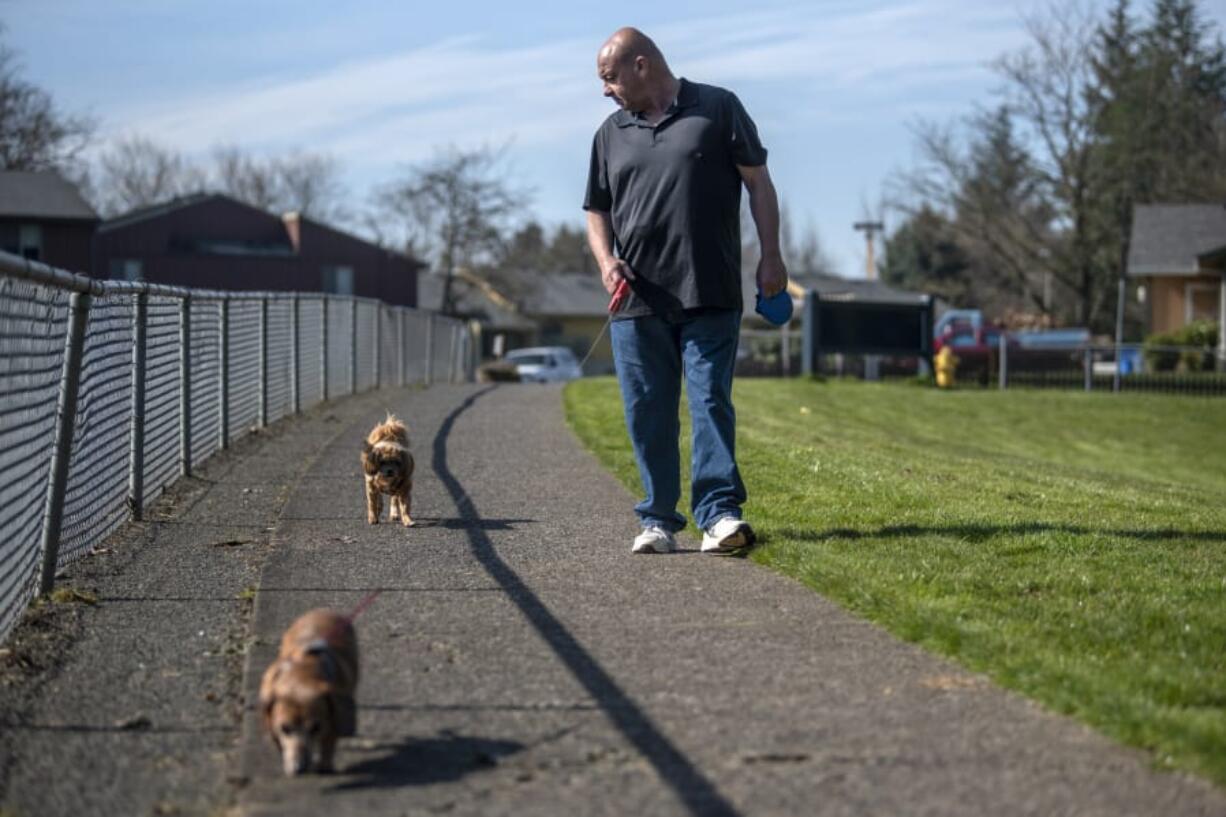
619, 296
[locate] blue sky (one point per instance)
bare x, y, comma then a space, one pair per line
833, 85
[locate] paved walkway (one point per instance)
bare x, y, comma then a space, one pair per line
519, 660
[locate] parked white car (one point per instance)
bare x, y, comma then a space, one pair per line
545, 364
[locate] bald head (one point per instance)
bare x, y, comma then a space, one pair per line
628, 43
634, 72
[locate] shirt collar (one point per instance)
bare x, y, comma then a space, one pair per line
687, 97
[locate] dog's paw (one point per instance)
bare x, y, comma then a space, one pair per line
373, 520
408, 523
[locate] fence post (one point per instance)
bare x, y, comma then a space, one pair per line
785, 349
65, 422
1089, 368
1004, 362
136, 436
808, 346
323, 355
353, 347
378, 345
451, 350
263, 413
1115, 378
185, 387
295, 373
223, 354
1221, 325
400, 355
429, 347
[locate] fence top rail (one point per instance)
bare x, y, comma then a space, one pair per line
14, 266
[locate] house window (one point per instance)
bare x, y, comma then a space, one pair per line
25, 240
338, 280
127, 269
1201, 302
30, 239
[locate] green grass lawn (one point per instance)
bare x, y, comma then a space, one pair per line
1071, 546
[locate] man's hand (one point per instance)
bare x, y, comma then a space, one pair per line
772, 275
612, 272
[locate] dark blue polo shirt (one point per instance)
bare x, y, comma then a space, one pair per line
674, 194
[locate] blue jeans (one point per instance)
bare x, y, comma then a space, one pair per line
651, 356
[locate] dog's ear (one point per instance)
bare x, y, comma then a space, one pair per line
368, 459
344, 714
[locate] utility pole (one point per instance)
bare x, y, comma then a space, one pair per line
870, 229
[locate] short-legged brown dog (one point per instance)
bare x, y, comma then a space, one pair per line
389, 470
307, 693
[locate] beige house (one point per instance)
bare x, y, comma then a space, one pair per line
1178, 253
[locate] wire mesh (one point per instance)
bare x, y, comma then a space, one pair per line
95, 502
32, 324
364, 333
162, 385
389, 338
244, 360
416, 330
310, 351
340, 349
278, 370
205, 375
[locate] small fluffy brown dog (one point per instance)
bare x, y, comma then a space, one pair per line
307, 693
389, 470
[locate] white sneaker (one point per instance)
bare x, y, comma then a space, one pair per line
728, 535
654, 540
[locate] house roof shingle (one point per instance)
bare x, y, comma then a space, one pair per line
42, 194
1170, 239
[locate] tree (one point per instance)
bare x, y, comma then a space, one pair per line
34, 135
455, 208
306, 183
136, 172
924, 254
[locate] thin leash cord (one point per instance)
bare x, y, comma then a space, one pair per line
592, 348
619, 296
362, 605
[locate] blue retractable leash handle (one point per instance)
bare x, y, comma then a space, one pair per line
777, 308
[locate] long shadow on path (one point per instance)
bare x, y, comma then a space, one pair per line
691, 787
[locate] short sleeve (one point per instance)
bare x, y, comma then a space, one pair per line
598, 196
745, 145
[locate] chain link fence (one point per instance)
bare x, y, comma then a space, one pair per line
110, 391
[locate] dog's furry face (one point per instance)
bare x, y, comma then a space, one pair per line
388, 467
306, 695
300, 716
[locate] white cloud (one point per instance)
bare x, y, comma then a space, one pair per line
461, 91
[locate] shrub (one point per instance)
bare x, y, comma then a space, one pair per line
1202, 335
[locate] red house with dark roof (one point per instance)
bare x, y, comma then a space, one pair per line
211, 241
44, 218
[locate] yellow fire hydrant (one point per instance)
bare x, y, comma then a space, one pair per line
945, 363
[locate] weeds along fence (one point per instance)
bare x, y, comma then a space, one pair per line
110, 391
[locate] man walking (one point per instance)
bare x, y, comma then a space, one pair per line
663, 213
